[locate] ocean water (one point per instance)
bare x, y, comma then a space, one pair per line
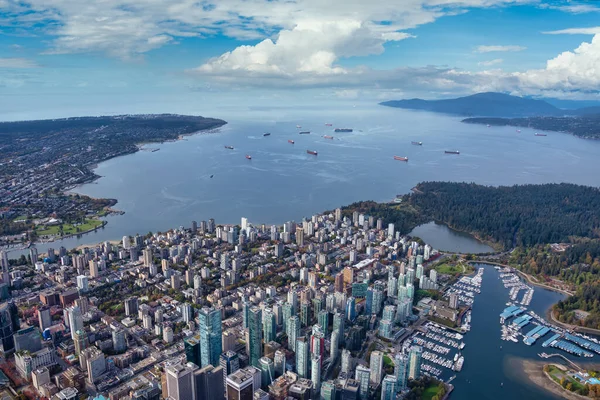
173, 186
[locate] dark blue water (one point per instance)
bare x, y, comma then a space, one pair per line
443, 238
487, 365
171, 187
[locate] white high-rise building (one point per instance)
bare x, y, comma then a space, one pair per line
82, 283
376, 366
75, 320
126, 242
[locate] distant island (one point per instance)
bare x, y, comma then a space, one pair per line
500, 109
41, 159
587, 126
481, 104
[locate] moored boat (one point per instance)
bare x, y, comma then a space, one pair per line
417, 143
248, 157
266, 134
291, 141
314, 153
343, 130
328, 137
304, 132
452, 152
229, 147
400, 158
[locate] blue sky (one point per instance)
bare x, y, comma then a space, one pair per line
58, 55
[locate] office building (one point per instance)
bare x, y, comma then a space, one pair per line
267, 371
293, 331
95, 363
44, 318
328, 391
28, 339
209, 383
346, 361
255, 335
279, 363
80, 341
119, 342
180, 383
242, 383
302, 357
229, 362
75, 319
315, 372
210, 336
269, 326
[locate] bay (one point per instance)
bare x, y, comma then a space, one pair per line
492, 367
441, 237
173, 186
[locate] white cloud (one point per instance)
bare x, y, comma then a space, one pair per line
575, 70
129, 28
17, 63
575, 31
572, 8
491, 49
491, 62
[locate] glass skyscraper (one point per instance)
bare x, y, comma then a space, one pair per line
210, 336
255, 335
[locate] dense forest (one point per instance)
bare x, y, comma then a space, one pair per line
512, 216
586, 298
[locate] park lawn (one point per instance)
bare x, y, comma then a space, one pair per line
69, 229
449, 269
430, 392
387, 361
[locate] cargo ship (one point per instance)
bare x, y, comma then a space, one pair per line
266, 134
314, 153
328, 124
342, 130
291, 141
452, 152
400, 158
248, 157
417, 143
229, 147
298, 126
304, 133
328, 137
540, 134
518, 131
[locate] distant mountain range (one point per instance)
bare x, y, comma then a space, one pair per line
491, 104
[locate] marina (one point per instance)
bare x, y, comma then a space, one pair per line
561, 339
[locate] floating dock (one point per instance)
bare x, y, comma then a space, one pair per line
511, 311
534, 334
586, 344
571, 348
553, 338
522, 321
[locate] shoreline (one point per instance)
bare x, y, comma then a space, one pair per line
534, 373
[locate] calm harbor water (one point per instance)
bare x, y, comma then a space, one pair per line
486, 373
441, 237
171, 187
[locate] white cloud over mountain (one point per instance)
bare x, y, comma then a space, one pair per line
491, 49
